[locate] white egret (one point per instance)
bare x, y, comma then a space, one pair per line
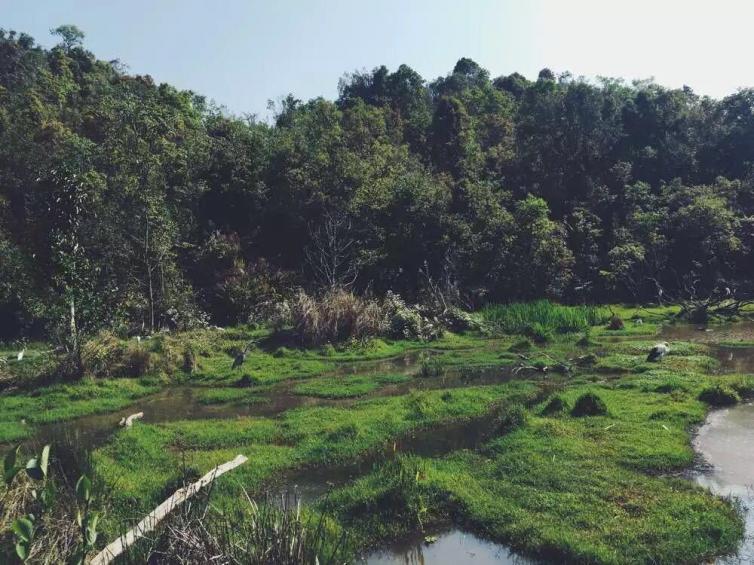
659, 351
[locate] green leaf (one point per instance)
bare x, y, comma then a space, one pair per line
84, 489
22, 550
23, 528
44, 459
9, 464
90, 531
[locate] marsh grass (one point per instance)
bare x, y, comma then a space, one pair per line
541, 318
277, 530
566, 489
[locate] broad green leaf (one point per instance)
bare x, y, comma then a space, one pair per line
91, 529
23, 528
22, 550
84, 489
44, 459
9, 464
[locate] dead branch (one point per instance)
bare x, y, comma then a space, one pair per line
128, 421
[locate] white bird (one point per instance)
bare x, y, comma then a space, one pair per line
659, 351
20, 356
138, 339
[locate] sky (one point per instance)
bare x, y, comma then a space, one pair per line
243, 53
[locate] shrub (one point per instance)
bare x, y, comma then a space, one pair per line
189, 360
539, 333
137, 362
616, 323
245, 381
508, 418
410, 322
337, 316
276, 314
556, 405
718, 395
589, 404
101, 355
458, 320
277, 529
744, 387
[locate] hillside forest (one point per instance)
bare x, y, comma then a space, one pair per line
133, 206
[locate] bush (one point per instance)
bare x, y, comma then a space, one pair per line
276, 314
458, 320
410, 322
719, 395
616, 323
246, 381
539, 333
189, 360
337, 316
556, 405
137, 362
101, 355
589, 404
509, 418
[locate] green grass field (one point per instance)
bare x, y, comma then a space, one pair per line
430, 446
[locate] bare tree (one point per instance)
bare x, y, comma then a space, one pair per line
331, 251
722, 302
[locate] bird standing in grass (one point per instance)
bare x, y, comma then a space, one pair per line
659, 351
20, 356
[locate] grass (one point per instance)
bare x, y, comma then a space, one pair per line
21, 411
564, 488
141, 460
543, 317
597, 489
347, 387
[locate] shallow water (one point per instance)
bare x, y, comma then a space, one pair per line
311, 484
726, 442
452, 547
732, 332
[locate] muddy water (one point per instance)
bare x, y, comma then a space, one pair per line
182, 403
733, 358
171, 404
451, 547
732, 332
726, 442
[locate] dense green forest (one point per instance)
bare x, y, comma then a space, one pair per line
141, 206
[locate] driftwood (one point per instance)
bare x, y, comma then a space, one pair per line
128, 421
116, 548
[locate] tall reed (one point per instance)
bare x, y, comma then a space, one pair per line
543, 315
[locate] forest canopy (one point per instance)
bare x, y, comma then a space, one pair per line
148, 207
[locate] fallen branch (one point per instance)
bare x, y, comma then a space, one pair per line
127, 422
116, 548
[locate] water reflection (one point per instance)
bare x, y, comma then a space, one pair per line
726, 441
451, 547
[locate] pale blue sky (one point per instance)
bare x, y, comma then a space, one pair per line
242, 53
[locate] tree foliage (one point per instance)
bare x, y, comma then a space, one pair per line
146, 207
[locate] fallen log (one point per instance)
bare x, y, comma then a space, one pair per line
127, 422
116, 548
